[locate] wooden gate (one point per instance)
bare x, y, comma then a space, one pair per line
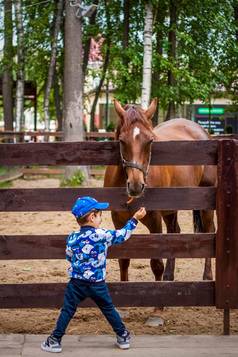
223, 245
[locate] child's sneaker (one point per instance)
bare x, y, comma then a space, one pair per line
123, 341
51, 344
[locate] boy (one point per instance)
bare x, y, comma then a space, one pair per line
86, 250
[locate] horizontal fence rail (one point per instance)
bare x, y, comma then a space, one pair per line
123, 294
88, 135
106, 153
30, 133
60, 199
139, 246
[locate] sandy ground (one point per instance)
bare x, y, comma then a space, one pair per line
87, 321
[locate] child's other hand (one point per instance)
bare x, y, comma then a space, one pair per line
140, 213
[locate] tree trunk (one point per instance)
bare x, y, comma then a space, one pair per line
126, 26
7, 82
99, 87
171, 113
125, 43
92, 22
104, 69
58, 18
20, 68
58, 102
73, 84
156, 74
146, 82
235, 7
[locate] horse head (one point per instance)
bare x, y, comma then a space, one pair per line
135, 134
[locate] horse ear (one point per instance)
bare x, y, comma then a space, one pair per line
120, 111
152, 108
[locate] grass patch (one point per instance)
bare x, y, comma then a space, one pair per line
3, 170
6, 184
76, 180
98, 167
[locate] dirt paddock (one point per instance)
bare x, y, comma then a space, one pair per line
89, 321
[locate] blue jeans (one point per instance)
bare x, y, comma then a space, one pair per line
76, 291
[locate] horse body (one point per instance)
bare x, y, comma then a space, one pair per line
135, 133
176, 176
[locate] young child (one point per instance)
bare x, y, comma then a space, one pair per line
86, 250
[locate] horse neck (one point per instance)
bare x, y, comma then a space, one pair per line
115, 176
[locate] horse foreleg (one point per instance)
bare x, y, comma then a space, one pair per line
169, 270
172, 225
153, 222
208, 227
124, 265
157, 267
207, 274
119, 219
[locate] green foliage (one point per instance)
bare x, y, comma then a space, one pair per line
75, 181
3, 174
6, 184
206, 49
3, 170
111, 127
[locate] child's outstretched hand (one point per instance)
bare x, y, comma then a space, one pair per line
140, 213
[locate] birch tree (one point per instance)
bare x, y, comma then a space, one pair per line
7, 82
20, 67
50, 76
147, 59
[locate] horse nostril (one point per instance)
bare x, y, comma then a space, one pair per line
135, 189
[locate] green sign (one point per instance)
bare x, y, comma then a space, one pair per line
207, 111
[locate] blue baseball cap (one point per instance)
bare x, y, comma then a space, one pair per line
86, 204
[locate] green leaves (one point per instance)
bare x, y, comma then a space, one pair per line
206, 47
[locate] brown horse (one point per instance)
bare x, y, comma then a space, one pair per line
136, 134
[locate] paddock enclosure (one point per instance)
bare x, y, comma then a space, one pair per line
223, 245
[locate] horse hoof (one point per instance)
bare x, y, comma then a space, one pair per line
207, 277
154, 321
168, 277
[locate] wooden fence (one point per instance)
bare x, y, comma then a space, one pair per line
20, 136
223, 245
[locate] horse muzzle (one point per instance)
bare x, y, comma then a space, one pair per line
135, 189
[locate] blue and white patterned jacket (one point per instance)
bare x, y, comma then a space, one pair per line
86, 250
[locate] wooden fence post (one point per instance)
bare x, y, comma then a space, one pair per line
227, 232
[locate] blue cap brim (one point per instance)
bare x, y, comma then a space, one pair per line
102, 205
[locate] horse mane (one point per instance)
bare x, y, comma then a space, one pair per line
134, 114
